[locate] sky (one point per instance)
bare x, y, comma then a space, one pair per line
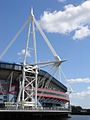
66, 24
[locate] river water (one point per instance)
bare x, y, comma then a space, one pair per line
77, 117
71, 117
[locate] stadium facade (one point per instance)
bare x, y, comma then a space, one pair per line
54, 96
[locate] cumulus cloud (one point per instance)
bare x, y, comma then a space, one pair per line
78, 80
88, 87
82, 94
22, 52
81, 98
61, 1
72, 18
81, 33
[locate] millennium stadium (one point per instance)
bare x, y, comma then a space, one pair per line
28, 86
51, 97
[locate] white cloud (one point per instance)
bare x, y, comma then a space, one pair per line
78, 80
22, 52
72, 18
81, 33
82, 94
61, 1
88, 87
81, 98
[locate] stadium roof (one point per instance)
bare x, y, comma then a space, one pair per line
7, 68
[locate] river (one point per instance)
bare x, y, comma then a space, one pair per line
71, 117
77, 117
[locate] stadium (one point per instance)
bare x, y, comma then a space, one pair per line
50, 96
28, 87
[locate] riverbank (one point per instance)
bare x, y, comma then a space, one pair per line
33, 115
78, 110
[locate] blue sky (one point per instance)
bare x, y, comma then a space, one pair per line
66, 24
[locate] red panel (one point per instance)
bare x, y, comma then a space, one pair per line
53, 91
52, 96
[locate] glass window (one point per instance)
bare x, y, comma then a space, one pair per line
3, 65
16, 67
7, 66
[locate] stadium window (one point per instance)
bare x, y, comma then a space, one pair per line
16, 67
7, 66
3, 65
19, 67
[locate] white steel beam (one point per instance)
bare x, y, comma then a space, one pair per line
13, 40
35, 57
46, 40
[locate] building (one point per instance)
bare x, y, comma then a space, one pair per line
51, 93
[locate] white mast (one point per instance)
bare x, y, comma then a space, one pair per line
25, 60
28, 92
29, 84
35, 57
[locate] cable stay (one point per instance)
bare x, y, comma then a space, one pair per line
70, 90
45, 84
13, 40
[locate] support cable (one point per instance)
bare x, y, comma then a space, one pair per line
71, 90
13, 39
45, 76
49, 80
43, 80
46, 40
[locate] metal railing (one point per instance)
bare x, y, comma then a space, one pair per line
13, 107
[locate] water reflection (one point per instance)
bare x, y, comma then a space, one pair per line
71, 117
